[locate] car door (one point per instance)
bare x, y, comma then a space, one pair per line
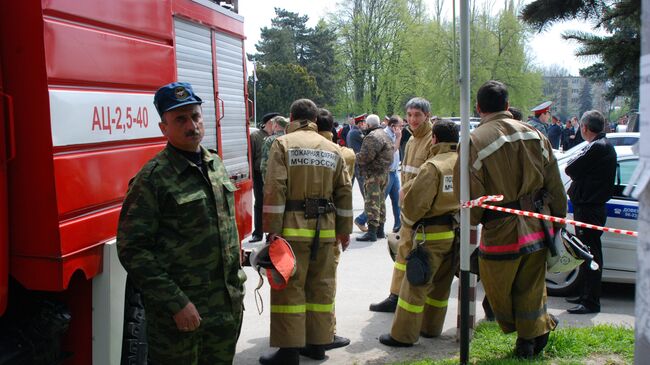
619, 251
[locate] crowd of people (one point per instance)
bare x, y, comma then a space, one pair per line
177, 236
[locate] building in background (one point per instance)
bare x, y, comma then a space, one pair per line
573, 94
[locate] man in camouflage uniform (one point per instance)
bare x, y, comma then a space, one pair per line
308, 201
513, 159
429, 207
374, 161
279, 126
417, 151
177, 238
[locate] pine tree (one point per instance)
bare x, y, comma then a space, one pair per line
586, 100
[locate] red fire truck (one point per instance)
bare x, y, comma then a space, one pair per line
77, 121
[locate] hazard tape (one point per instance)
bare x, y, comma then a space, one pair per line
480, 202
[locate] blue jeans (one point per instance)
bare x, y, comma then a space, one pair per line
392, 190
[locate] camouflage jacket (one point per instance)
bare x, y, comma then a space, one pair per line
177, 236
376, 153
266, 147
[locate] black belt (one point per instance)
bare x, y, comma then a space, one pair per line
313, 208
490, 215
441, 220
299, 205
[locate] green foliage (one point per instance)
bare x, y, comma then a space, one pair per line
279, 85
374, 55
290, 48
619, 51
566, 346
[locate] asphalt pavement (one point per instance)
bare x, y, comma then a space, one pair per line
364, 276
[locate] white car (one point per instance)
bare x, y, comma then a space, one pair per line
616, 139
619, 251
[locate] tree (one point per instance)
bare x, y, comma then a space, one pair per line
279, 85
619, 52
585, 101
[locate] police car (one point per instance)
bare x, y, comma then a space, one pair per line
619, 251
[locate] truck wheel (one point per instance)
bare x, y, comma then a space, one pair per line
134, 335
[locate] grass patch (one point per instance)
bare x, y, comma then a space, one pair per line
603, 344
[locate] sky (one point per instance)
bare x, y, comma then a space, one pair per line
546, 48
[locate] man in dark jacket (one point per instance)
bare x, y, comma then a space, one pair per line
593, 172
257, 141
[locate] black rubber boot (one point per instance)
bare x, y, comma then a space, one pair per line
380, 232
387, 305
388, 340
315, 352
284, 356
525, 349
370, 236
339, 341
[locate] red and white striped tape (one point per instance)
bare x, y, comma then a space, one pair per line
479, 202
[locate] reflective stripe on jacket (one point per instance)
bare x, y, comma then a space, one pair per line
512, 158
302, 164
432, 195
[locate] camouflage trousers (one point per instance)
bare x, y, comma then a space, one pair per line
374, 199
212, 343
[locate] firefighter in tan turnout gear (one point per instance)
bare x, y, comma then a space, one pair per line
429, 209
308, 201
417, 151
514, 159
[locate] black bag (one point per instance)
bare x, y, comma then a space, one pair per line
418, 270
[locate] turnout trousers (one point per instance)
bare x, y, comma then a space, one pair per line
516, 290
422, 309
303, 312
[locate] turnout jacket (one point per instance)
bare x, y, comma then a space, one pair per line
418, 150
593, 172
513, 159
347, 154
302, 164
432, 192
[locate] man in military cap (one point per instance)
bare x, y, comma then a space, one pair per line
257, 140
177, 238
542, 115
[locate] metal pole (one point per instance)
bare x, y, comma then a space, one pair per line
464, 180
453, 48
255, 92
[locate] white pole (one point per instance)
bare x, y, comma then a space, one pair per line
464, 180
642, 310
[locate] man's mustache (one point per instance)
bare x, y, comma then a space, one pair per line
193, 133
